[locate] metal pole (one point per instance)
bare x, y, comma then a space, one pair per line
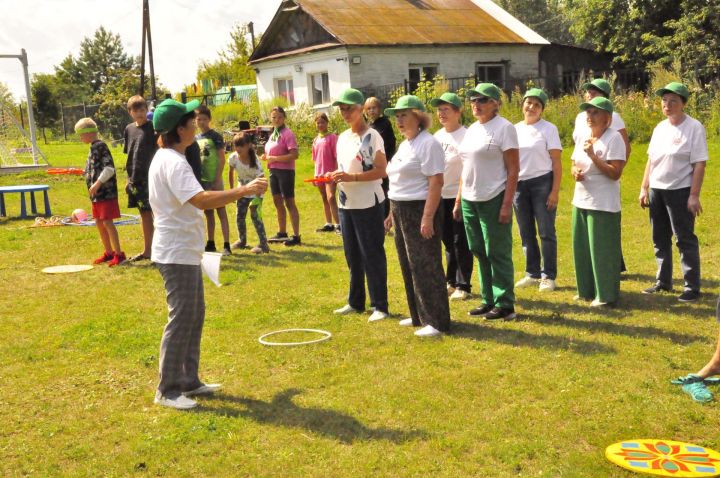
22, 116
31, 116
141, 88
146, 11
62, 118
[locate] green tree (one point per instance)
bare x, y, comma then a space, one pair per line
548, 18
232, 67
6, 96
45, 103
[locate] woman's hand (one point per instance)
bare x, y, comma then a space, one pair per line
256, 187
388, 223
342, 177
505, 214
577, 173
94, 188
426, 227
694, 206
264, 157
552, 200
457, 211
644, 199
589, 150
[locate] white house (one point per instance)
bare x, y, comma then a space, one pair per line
313, 49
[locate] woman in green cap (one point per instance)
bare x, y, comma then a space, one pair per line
489, 179
536, 199
361, 167
458, 257
178, 199
597, 165
416, 181
671, 189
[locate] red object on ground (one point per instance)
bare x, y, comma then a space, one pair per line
76, 171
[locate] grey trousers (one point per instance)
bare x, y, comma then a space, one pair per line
421, 265
180, 345
669, 216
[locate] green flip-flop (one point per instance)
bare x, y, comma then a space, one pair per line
694, 378
698, 392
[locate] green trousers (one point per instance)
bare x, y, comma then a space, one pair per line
491, 243
596, 249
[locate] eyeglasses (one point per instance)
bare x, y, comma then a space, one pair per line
480, 99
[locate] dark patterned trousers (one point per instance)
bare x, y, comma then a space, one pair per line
180, 345
421, 265
255, 214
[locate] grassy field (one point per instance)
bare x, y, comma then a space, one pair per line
541, 396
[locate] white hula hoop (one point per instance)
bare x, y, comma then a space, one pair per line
325, 336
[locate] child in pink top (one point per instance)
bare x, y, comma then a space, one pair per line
324, 154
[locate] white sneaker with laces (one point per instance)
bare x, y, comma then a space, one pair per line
179, 403
460, 294
527, 281
428, 331
377, 315
203, 389
346, 309
547, 285
406, 322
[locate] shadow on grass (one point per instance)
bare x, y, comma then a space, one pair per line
282, 411
650, 280
276, 257
615, 329
519, 338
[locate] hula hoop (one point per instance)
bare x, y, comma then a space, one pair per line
76, 171
326, 336
130, 219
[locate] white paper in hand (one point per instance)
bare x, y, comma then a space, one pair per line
210, 265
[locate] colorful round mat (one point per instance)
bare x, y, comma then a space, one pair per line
67, 269
665, 458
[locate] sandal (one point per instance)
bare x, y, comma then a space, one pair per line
687, 379
698, 392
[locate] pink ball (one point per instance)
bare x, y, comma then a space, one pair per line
79, 215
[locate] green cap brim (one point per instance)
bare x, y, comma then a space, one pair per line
435, 102
342, 102
585, 106
391, 111
191, 106
662, 91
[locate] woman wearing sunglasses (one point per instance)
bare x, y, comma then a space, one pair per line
491, 165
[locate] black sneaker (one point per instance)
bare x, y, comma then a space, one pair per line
657, 288
500, 313
293, 241
279, 237
210, 246
326, 228
689, 296
481, 311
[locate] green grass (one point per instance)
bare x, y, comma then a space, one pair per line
541, 396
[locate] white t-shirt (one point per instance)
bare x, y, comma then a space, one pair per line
535, 141
583, 130
484, 174
415, 160
179, 236
356, 154
453, 162
672, 152
244, 172
597, 191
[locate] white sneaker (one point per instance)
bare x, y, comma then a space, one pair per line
428, 331
377, 315
179, 403
459, 294
346, 309
597, 303
527, 281
203, 389
450, 290
406, 322
547, 285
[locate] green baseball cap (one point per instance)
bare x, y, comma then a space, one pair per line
600, 103
168, 113
350, 96
407, 102
674, 87
485, 89
599, 84
537, 93
449, 98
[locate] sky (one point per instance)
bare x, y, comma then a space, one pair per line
184, 32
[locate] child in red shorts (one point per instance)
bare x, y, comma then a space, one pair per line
101, 182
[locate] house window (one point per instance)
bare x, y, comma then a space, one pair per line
284, 88
319, 88
491, 73
418, 73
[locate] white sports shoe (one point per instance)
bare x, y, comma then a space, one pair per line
527, 281
377, 315
459, 294
547, 285
346, 309
406, 322
203, 389
428, 331
179, 403
597, 303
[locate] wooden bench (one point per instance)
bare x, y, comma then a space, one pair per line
31, 188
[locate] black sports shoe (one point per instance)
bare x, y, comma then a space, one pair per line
293, 241
481, 311
657, 288
689, 296
279, 237
326, 228
210, 246
500, 313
